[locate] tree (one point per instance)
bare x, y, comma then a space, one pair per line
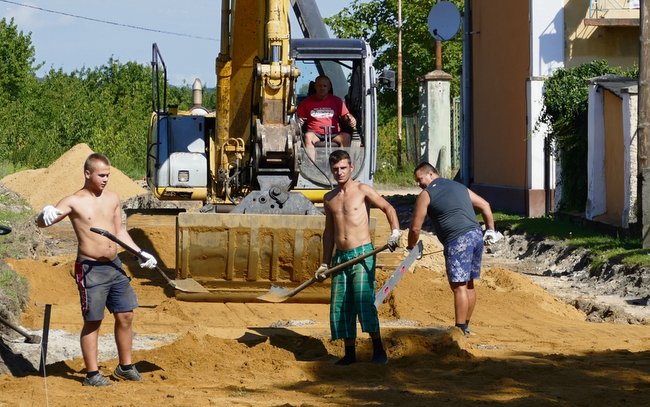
17, 80
376, 22
17, 69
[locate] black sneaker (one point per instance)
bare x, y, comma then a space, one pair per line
131, 374
97, 380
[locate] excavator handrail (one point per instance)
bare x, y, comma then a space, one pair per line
155, 80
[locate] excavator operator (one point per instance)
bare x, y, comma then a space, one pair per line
321, 112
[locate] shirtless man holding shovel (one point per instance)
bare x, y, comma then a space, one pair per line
98, 271
347, 218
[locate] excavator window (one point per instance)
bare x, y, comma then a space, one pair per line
348, 83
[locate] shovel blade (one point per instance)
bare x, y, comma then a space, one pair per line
276, 294
189, 285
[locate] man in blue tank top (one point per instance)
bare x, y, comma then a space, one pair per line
450, 205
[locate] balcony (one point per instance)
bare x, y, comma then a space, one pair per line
613, 13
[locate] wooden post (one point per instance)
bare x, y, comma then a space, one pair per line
643, 195
399, 84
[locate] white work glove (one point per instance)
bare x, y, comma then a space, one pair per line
393, 240
50, 213
491, 236
150, 262
318, 275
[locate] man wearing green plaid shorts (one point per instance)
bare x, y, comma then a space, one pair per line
347, 219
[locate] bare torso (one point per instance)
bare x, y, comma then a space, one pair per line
350, 213
88, 210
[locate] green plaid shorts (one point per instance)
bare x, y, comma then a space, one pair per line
353, 294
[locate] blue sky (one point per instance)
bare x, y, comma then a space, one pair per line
63, 40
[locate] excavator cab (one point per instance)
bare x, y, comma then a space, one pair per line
348, 64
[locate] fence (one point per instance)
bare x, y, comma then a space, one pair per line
599, 8
412, 138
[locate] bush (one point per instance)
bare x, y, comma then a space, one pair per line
387, 168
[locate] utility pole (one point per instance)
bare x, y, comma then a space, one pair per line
643, 191
399, 84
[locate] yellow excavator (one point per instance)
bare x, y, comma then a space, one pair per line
245, 160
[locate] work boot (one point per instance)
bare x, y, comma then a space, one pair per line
131, 374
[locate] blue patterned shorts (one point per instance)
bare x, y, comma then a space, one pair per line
463, 257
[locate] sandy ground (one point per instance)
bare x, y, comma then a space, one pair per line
527, 348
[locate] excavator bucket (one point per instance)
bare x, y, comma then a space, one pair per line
238, 256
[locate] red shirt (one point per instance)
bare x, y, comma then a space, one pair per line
324, 112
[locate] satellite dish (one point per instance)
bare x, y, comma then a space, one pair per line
444, 20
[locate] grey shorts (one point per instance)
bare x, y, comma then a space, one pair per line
103, 284
463, 257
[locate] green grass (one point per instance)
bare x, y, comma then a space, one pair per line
11, 283
7, 168
389, 174
603, 247
13, 211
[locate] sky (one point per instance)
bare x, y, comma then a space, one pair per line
66, 34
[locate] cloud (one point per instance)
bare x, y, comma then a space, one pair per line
30, 19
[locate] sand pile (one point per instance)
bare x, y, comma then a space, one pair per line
527, 349
45, 186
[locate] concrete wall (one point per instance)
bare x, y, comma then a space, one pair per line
596, 187
510, 63
435, 121
547, 55
630, 125
500, 56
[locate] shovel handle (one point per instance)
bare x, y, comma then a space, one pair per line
114, 238
29, 337
354, 261
130, 249
337, 268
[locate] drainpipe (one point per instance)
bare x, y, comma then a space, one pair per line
466, 97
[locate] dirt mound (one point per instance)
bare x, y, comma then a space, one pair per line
63, 177
610, 292
238, 354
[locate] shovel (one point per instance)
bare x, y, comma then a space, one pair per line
29, 338
279, 294
188, 284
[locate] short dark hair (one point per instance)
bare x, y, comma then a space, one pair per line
323, 77
90, 161
427, 166
339, 155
